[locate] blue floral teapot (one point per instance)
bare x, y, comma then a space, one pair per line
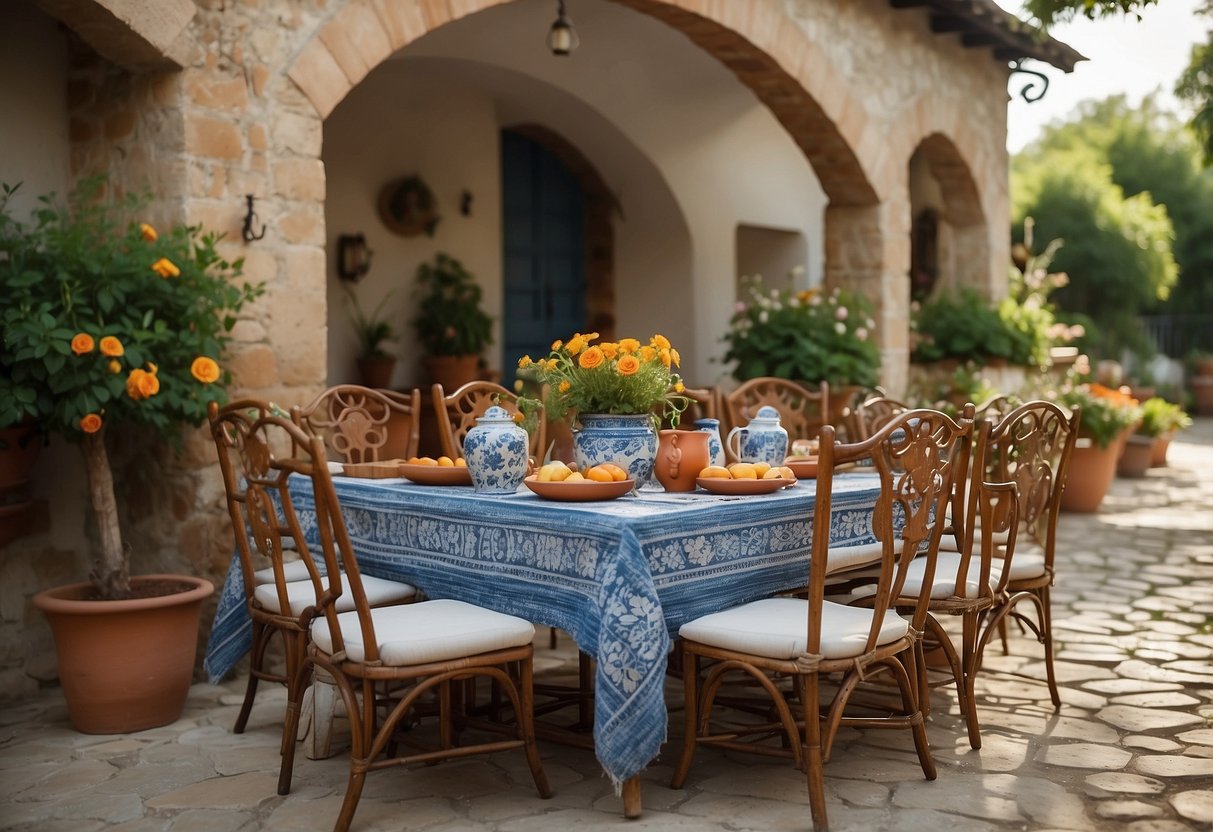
762, 440
496, 452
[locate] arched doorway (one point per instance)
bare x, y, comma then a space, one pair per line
949, 240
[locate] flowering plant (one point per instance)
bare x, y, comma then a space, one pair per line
108, 322
804, 336
617, 377
1106, 413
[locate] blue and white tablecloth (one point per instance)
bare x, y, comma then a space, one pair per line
621, 576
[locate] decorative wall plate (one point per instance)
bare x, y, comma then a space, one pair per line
407, 207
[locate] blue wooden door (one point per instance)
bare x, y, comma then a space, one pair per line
544, 251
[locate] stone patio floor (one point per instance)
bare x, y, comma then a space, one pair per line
1130, 749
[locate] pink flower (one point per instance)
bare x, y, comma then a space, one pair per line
861, 333
841, 313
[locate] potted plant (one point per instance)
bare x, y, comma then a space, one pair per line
1108, 416
1200, 365
1160, 421
617, 392
107, 323
807, 336
375, 364
450, 323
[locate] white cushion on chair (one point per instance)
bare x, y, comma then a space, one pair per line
294, 570
777, 628
841, 558
429, 631
302, 595
1028, 562
947, 566
947, 542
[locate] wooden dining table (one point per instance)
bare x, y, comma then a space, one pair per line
620, 576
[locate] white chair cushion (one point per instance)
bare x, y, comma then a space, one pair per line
842, 558
777, 628
429, 631
947, 565
948, 541
1027, 563
294, 570
302, 595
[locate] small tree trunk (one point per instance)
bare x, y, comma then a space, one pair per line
110, 574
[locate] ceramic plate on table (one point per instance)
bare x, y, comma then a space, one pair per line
373, 470
435, 474
580, 491
804, 467
719, 485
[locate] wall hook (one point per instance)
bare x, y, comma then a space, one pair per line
249, 218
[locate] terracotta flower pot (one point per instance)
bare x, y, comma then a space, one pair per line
377, 372
1090, 475
1135, 458
1158, 455
125, 665
452, 371
1202, 394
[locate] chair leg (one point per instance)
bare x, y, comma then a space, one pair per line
526, 726
905, 682
690, 681
814, 765
256, 660
290, 725
551, 638
967, 683
1046, 637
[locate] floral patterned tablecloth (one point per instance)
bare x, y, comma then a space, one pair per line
621, 576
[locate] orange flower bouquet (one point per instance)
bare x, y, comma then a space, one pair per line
611, 377
107, 322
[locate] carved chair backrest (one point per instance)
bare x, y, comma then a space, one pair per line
874, 413
916, 456
363, 424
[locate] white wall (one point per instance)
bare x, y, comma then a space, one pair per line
651, 110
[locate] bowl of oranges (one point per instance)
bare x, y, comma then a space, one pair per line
426, 470
562, 481
745, 478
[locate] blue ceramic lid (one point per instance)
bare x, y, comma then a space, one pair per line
766, 413
495, 414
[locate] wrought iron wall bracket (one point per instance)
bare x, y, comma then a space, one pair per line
1029, 93
249, 218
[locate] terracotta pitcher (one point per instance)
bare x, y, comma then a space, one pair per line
681, 455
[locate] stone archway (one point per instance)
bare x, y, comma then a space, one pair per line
944, 193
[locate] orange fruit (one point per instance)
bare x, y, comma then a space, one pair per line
773, 474
461, 463
788, 473
413, 460
427, 460
617, 473
743, 471
446, 462
715, 472
599, 473
761, 468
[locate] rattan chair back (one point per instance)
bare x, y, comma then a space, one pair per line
364, 424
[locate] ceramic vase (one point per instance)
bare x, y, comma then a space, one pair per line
496, 453
681, 455
715, 447
1135, 459
628, 440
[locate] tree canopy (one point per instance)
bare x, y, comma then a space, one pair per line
1195, 87
1049, 12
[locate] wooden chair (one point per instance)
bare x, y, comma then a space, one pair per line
427, 647
802, 411
279, 573
363, 424
801, 639
457, 414
1031, 446
871, 414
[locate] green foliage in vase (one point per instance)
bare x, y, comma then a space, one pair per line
373, 329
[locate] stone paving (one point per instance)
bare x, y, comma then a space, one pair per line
1130, 749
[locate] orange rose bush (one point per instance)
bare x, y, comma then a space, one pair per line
108, 322
611, 377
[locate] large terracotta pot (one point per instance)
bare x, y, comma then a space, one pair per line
681, 455
1135, 458
1202, 394
125, 665
377, 372
1090, 475
452, 371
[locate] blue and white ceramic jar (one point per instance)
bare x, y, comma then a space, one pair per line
628, 440
496, 453
715, 447
762, 440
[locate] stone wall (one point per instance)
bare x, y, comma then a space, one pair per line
858, 85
